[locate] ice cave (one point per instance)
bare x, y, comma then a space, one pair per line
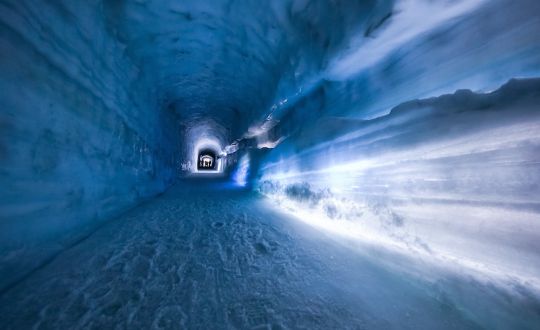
270, 164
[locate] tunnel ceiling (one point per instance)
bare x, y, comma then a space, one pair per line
225, 62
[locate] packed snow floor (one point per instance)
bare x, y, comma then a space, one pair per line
208, 256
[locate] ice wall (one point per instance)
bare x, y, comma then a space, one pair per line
454, 178
401, 142
419, 49
483, 46
83, 134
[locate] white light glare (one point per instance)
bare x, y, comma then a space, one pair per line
240, 176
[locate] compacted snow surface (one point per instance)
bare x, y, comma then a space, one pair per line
208, 255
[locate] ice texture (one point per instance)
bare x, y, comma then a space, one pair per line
209, 256
452, 178
407, 131
103, 103
83, 137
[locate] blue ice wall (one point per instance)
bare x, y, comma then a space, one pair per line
479, 50
419, 49
453, 179
415, 138
83, 134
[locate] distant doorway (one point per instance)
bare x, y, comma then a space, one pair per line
207, 160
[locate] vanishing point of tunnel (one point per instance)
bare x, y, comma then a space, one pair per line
270, 164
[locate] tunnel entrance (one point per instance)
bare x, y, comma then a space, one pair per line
206, 161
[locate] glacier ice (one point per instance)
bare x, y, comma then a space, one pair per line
83, 137
396, 143
453, 177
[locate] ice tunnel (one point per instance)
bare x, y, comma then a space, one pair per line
284, 164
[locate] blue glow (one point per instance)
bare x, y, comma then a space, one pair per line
406, 183
377, 164
240, 176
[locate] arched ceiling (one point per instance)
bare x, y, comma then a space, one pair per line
226, 61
